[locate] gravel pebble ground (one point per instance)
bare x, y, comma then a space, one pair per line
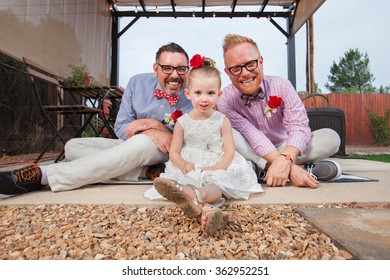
119, 232
367, 149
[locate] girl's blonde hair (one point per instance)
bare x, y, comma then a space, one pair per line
207, 69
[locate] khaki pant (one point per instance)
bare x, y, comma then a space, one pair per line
93, 160
324, 143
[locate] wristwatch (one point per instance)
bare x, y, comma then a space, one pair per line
287, 157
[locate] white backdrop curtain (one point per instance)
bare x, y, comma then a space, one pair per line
58, 33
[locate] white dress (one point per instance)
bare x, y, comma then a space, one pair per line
203, 145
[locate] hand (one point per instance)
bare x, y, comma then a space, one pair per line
278, 172
208, 168
142, 125
188, 167
299, 177
133, 128
162, 139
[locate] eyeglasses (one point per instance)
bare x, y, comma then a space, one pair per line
249, 66
168, 69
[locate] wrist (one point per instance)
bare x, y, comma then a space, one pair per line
287, 157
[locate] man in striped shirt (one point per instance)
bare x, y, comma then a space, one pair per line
272, 122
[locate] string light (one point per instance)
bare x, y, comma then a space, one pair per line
157, 11
247, 15
110, 8
213, 14
294, 7
136, 9
193, 14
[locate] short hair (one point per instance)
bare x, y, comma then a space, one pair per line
171, 47
232, 40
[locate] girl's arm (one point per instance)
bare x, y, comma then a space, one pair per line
228, 147
175, 148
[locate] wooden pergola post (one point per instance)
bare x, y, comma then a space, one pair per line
310, 82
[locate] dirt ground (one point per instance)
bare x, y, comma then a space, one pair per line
367, 149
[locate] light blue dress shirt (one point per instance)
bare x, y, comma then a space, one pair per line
139, 102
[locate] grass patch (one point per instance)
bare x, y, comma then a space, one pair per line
375, 157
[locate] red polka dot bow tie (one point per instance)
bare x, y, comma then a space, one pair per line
171, 99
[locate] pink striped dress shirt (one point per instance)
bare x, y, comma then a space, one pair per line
289, 124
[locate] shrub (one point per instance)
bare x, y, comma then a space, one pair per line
380, 127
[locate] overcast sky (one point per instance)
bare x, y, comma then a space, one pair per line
338, 26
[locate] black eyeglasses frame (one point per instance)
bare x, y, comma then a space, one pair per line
244, 65
173, 69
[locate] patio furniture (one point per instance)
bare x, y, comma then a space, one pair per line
329, 118
66, 113
105, 98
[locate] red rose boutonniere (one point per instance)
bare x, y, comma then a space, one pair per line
196, 61
273, 103
171, 119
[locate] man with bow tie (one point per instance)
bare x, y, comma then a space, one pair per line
272, 121
144, 137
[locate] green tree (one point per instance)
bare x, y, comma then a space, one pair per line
383, 89
352, 74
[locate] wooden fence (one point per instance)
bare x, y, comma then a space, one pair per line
358, 131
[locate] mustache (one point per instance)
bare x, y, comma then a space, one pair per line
178, 80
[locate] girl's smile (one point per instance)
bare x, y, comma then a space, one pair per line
203, 93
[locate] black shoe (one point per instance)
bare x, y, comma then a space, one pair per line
260, 176
154, 171
260, 173
20, 181
325, 170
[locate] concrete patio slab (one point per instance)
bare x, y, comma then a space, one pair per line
360, 192
364, 233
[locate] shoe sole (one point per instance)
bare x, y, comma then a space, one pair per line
216, 220
170, 191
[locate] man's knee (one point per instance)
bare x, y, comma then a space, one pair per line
330, 137
145, 150
71, 147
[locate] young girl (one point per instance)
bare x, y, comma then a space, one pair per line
203, 164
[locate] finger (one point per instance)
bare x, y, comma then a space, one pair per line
162, 148
313, 183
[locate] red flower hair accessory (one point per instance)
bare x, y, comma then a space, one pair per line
273, 103
196, 61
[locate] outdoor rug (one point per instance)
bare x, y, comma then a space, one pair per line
344, 178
